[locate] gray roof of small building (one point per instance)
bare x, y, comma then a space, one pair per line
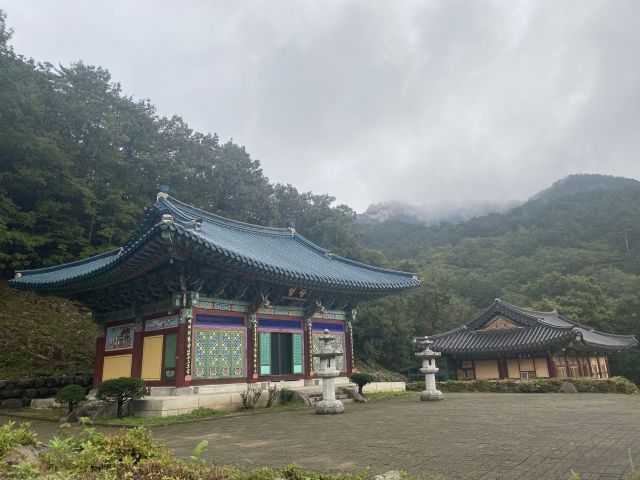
536, 332
276, 254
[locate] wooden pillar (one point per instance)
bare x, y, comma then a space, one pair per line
348, 348
184, 349
138, 342
502, 368
97, 369
252, 349
308, 348
606, 362
551, 365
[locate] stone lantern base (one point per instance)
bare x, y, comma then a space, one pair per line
430, 395
329, 407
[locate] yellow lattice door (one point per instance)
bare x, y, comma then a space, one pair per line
116, 366
152, 358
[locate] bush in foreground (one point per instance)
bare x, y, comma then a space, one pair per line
539, 385
130, 454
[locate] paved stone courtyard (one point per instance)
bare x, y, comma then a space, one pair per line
465, 436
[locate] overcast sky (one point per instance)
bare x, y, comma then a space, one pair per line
423, 102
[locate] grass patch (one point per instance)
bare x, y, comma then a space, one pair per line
201, 413
133, 421
377, 396
53, 414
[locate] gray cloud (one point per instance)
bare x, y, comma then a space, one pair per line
425, 102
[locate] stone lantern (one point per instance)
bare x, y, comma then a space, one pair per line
329, 405
429, 369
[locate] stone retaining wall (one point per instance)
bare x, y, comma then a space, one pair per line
18, 393
384, 387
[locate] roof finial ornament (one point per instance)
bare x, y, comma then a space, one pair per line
321, 308
17, 275
265, 301
163, 191
167, 218
328, 254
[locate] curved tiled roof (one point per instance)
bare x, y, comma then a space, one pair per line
535, 331
279, 254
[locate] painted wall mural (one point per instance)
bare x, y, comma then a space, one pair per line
119, 337
161, 323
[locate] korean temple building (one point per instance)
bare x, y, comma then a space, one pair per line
507, 341
197, 299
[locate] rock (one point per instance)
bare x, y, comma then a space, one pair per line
353, 393
31, 392
14, 393
25, 383
66, 381
390, 475
3, 383
43, 392
567, 387
44, 403
52, 382
84, 381
22, 454
95, 409
11, 403
40, 382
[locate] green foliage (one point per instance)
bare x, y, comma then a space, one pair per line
540, 385
121, 390
286, 396
52, 335
196, 414
361, 379
132, 454
71, 395
10, 435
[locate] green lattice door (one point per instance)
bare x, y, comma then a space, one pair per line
281, 353
219, 353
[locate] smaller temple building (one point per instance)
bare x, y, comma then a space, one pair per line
507, 341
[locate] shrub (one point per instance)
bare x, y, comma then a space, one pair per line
121, 390
250, 397
286, 396
71, 395
272, 394
361, 379
538, 385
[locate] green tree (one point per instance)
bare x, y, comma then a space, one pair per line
121, 390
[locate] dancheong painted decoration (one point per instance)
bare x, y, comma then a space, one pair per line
195, 299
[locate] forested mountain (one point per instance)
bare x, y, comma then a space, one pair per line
574, 247
79, 161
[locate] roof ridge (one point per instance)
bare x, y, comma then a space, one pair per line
348, 260
68, 264
524, 309
182, 207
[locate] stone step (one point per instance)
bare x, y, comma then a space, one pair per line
343, 397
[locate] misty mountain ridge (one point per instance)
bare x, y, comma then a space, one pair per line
435, 213
431, 214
